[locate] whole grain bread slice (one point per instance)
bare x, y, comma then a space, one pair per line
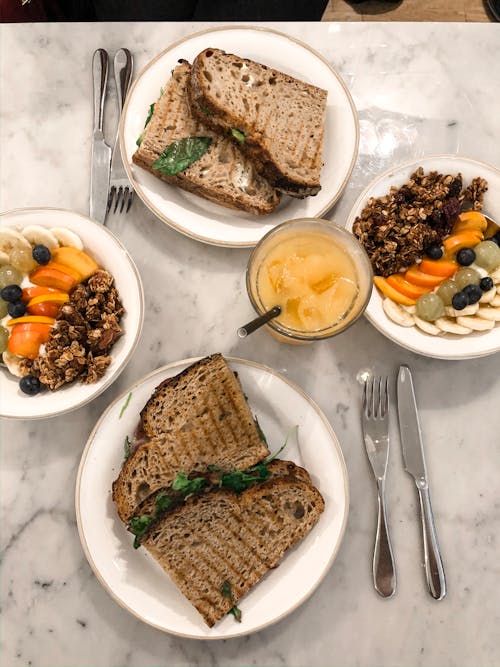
223, 174
198, 418
218, 545
277, 119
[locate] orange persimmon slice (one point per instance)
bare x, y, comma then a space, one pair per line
439, 267
399, 283
456, 242
392, 293
417, 277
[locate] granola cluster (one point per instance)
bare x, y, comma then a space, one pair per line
85, 331
396, 229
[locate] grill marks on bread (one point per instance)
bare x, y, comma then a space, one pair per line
281, 117
220, 536
223, 174
198, 418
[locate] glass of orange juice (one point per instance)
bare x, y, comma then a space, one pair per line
316, 272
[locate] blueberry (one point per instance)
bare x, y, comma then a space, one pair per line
30, 385
466, 256
473, 293
41, 254
11, 293
434, 251
459, 301
486, 284
495, 239
16, 309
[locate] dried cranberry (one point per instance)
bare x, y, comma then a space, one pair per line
451, 210
455, 187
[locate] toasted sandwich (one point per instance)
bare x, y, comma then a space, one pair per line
218, 543
198, 418
277, 120
221, 173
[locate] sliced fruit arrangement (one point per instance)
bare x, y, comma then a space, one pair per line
39, 267
454, 288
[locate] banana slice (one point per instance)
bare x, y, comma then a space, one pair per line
12, 362
410, 309
4, 259
38, 235
10, 239
476, 323
468, 310
450, 326
495, 302
427, 327
67, 237
397, 314
495, 276
488, 313
488, 296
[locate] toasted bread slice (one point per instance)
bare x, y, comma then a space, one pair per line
281, 119
197, 418
223, 174
217, 545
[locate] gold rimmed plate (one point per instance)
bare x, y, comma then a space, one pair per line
208, 222
138, 583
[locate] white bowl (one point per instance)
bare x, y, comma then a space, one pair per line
449, 346
109, 253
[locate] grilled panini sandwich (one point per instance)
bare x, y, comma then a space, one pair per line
277, 120
221, 174
198, 418
219, 543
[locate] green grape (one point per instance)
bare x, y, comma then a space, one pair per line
429, 307
22, 259
4, 337
487, 255
447, 290
467, 276
3, 308
9, 276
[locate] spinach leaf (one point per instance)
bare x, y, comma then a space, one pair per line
180, 154
227, 593
150, 114
127, 447
236, 612
138, 526
125, 405
261, 432
187, 486
204, 110
162, 502
239, 480
238, 135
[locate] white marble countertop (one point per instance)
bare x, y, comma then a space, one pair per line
436, 88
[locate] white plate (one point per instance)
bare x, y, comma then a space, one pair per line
111, 255
217, 225
447, 346
138, 583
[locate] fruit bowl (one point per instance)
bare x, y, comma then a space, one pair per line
108, 253
444, 346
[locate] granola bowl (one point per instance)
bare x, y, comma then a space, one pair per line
103, 314
442, 345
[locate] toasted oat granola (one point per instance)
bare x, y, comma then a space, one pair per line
85, 331
396, 229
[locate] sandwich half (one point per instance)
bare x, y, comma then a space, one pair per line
277, 120
221, 173
218, 544
198, 418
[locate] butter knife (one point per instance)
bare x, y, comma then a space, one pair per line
413, 455
101, 152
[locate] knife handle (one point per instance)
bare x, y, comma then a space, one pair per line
384, 571
122, 64
100, 76
434, 571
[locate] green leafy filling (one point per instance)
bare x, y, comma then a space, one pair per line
125, 405
188, 486
228, 593
181, 153
238, 135
138, 526
239, 480
261, 432
127, 447
204, 110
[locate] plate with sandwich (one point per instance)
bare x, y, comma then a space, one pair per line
233, 130
212, 498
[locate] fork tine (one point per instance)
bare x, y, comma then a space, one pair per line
365, 402
111, 194
130, 197
384, 399
118, 198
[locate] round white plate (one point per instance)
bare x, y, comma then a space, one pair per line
446, 346
138, 583
217, 225
109, 253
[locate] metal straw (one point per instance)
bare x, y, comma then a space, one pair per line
249, 328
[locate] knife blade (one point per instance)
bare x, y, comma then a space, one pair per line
414, 460
101, 152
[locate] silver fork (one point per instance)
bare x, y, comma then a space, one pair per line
121, 193
375, 421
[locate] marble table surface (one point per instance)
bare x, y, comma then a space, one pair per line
433, 88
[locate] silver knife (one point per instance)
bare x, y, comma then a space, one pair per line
101, 152
413, 455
